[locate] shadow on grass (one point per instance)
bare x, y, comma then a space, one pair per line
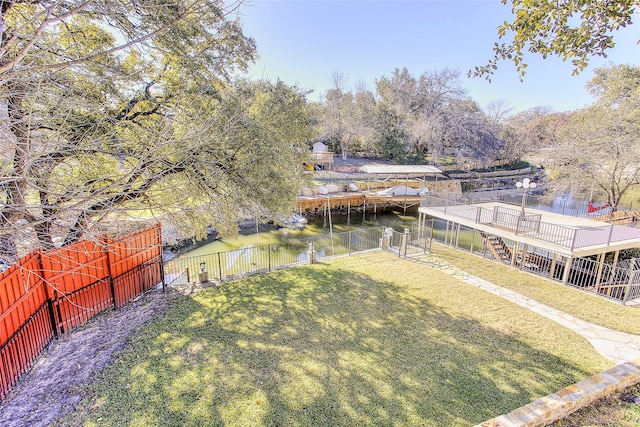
320, 346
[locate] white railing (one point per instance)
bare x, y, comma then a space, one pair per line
530, 224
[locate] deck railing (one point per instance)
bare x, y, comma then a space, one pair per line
523, 223
619, 282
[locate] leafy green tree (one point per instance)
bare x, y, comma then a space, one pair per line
395, 104
600, 149
114, 108
573, 30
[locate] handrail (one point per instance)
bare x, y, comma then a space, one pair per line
530, 224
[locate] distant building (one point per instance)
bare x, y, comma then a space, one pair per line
321, 156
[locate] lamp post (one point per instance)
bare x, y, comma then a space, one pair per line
525, 184
203, 275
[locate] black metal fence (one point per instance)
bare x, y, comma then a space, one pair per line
258, 259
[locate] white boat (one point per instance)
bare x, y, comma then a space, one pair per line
295, 221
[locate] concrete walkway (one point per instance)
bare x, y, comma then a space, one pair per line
616, 346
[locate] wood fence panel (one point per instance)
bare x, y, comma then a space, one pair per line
135, 262
71, 310
136, 281
24, 346
54, 291
134, 249
21, 293
72, 267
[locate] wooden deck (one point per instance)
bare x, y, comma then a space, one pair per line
348, 201
619, 217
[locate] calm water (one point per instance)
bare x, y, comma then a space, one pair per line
398, 220
339, 223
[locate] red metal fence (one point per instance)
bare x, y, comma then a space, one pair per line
48, 293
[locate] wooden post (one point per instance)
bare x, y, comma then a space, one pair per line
627, 289
552, 270
524, 256
601, 257
446, 233
567, 270
614, 265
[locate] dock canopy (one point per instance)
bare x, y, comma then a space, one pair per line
401, 170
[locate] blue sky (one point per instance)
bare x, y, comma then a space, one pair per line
302, 42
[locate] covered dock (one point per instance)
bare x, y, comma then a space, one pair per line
400, 174
381, 186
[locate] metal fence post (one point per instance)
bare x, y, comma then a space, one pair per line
219, 267
610, 234
112, 286
164, 285
349, 244
269, 256
52, 316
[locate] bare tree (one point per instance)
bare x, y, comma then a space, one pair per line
498, 111
599, 149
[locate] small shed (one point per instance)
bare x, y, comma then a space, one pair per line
322, 157
320, 147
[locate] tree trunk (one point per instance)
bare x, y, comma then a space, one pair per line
15, 187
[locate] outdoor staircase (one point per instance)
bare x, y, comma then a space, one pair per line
497, 247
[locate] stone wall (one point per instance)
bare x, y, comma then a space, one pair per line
447, 186
558, 405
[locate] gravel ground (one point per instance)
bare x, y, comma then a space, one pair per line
54, 386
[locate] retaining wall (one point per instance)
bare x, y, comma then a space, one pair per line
558, 405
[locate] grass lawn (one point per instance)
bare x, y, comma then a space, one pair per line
578, 303
365, 340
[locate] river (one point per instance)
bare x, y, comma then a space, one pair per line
398, 220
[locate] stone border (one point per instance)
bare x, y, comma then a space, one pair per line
558, 405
